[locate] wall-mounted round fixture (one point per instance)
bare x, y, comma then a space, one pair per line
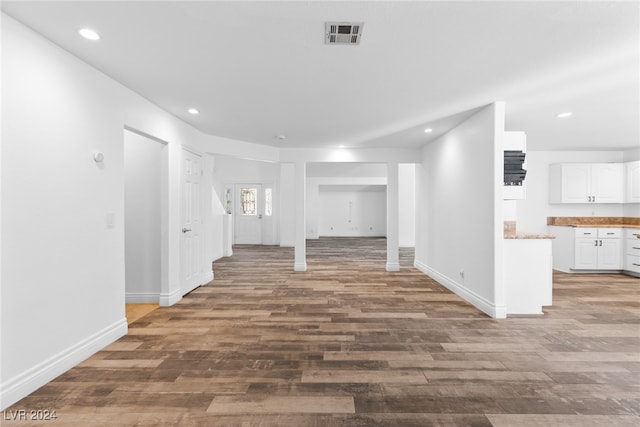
89, 34
281, 137
428, 130
193, 111
98, 157
563, 115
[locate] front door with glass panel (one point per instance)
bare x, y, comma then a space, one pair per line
249, 214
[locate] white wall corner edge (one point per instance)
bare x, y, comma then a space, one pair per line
481, 303
23, 384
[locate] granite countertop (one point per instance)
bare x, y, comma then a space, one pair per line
601, 225
595, 221
521, 235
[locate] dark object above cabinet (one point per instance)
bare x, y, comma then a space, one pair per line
514, 174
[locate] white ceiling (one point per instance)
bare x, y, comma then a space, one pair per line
260, 69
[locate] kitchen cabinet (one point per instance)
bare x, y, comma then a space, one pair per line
586, 183
632, 250
632, 170
585, 248
598, 249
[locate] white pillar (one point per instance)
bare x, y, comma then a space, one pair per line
393, 215
300, 188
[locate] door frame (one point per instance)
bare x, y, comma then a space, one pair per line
164, 216
269, 229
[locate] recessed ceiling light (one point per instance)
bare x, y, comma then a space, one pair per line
89, 34
340, 146
563, 115
427, 130
193, 111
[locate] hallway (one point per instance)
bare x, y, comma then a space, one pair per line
348, 343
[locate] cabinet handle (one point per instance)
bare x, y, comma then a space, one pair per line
633, 263
600, 242
633, 247
586, 234
589, 198
609, 234
596, 243
594, 198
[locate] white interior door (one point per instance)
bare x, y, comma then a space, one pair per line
191, 242
249, 214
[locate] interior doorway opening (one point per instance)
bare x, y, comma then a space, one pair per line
145, 189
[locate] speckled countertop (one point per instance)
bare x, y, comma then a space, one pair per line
510, 232
521, 235
595, 221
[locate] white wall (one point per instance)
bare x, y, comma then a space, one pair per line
407, 197
348, 212
63, 214
216, 229
287, 205
459, 198
143, 158
534, 210
63, 265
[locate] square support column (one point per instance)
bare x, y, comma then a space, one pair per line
393, 217
300, 188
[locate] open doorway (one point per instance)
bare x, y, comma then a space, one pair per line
145, 160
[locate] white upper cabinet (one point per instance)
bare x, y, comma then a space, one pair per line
586, 183
633, 182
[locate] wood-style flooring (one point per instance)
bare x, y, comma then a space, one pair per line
349, 344
135, 312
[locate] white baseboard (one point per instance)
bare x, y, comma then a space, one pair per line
393, 266
480, 302
168, 299
141, 297
207, 277
300, 266
27, 382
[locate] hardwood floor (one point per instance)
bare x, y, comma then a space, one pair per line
137, 311
349, 344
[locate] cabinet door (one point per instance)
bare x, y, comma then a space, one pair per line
610, 254
606, 182
586, 255
576, 183
633, 182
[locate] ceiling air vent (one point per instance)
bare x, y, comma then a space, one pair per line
343, 32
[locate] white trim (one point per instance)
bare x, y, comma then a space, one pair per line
27, 382
168, 299
207, 277
480, 302
300, 266
141, 297
393, 266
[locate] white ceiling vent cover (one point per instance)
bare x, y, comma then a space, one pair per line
343, 32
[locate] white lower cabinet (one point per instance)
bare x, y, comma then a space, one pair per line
632, 250
587, 248
598, 249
